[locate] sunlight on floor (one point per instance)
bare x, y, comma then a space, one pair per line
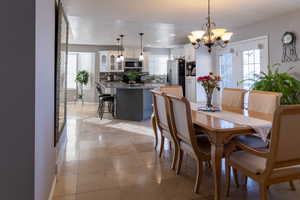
132, 128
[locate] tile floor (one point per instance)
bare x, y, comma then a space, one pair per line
115, 160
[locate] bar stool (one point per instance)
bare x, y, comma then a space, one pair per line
103, 99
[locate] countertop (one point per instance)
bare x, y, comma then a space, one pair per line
122, 85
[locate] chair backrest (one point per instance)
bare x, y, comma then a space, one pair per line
263, 102
160, 109
175, 90
233, 97
99, 89
181, 118
285, 138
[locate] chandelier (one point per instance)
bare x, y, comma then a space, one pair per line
210, 35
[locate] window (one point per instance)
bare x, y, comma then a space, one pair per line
251, 66
158, 64
72, 69
78, 62
225, 62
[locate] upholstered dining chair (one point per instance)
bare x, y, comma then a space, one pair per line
279, 163
263, 102
171, 89
233, 97
197, 146
164, 126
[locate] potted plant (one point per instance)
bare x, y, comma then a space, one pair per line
82, 78
132, 77
209, 83
275, 81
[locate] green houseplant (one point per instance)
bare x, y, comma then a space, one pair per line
82, 78
275, 81
132, 77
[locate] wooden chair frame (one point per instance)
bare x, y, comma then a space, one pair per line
163, 128
265, 179
199, 156
242, 91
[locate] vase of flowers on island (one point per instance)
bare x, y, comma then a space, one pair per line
209, 83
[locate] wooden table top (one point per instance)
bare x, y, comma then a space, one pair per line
215, 124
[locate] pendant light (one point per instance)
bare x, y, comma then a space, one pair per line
210, 35
118, 45
122, 56
141, 58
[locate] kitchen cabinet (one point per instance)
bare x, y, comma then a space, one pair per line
191, 88
189, 53
108, 62
104, 61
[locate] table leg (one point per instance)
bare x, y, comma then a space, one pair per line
216, 157
153, 119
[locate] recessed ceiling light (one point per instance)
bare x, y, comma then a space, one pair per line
172, 34
157, 41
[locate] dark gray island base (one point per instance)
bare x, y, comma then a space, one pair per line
132, 102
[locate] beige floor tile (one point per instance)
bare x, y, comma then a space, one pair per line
116, 164
68, 197
98, 181
113, 194
65, 185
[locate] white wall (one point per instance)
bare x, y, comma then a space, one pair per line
45, 155
274, 28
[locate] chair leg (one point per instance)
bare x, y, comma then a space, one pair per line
263, 192
170, 145
113, 109
292, 185
179, 163
175, 157
162, 143
236, 178
101, 112
245, 180
228, 177
199, 176
153, 120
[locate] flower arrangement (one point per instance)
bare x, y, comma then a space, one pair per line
209, 83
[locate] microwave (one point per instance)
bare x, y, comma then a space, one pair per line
133, 63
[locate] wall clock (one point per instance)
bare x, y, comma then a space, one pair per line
289, 47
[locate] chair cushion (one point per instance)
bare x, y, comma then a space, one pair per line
252, 163
251, 141
257, 165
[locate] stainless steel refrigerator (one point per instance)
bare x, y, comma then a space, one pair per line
176, 73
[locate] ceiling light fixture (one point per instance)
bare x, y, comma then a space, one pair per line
141, 58
210, 35
118, 45
122, 56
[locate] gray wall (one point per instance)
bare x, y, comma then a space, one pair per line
274, 29
45, 154
17, 85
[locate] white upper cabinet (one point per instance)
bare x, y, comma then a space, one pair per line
104, 61
189, 53
108, 62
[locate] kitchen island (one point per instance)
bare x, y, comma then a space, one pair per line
132, 102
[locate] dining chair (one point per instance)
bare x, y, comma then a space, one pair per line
163, 124
263, 102
174, 90
279, 163
233, 97
197, 146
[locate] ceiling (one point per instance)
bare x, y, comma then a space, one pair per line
164, 22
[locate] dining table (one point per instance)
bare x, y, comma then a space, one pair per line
221, 129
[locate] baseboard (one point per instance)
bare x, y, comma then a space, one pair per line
52, 189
